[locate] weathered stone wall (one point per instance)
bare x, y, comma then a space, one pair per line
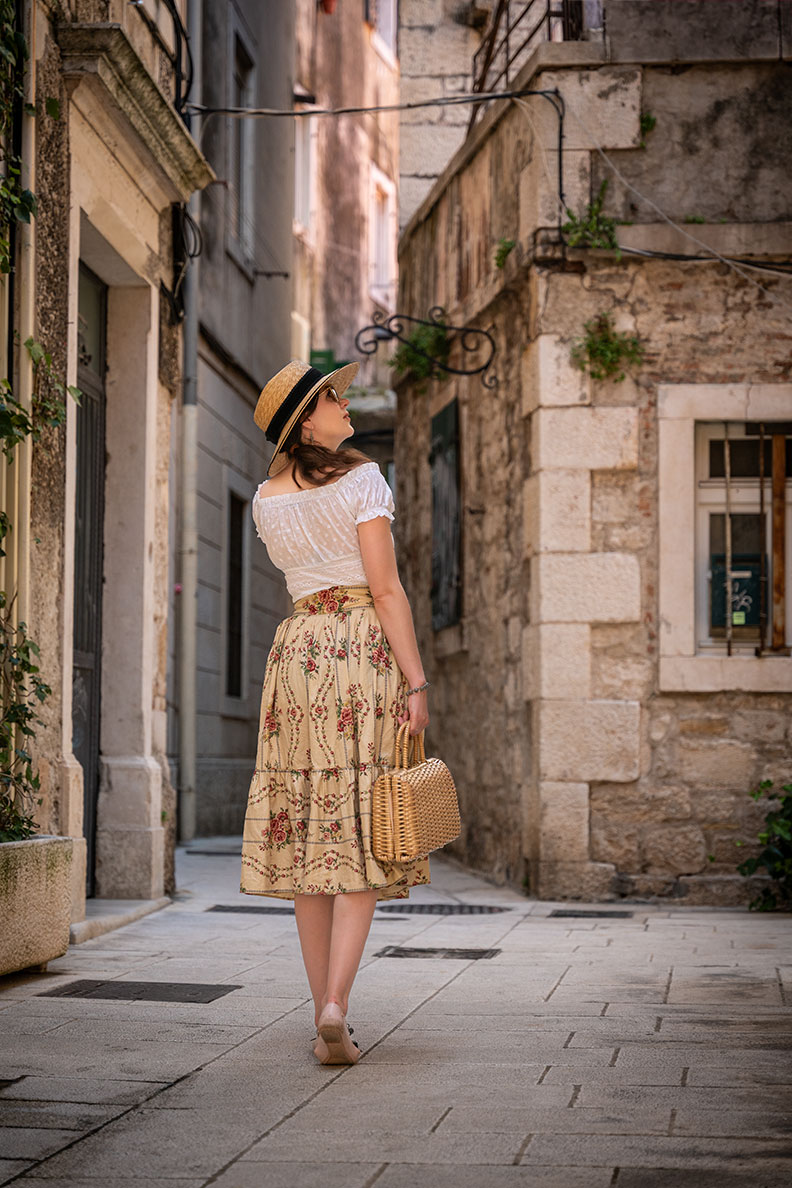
578, 775
48, 480
105, 184
436, 47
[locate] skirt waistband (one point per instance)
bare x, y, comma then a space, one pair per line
333, 600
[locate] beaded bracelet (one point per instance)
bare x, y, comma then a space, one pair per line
418, 688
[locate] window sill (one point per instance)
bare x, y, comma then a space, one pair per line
449, 641
384, 50
303, 233
234, 707
240, 257
379, 295
713, 674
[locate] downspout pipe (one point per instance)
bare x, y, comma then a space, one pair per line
188, 524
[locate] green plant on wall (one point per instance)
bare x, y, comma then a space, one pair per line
592, 228
22, 690
21, 693
49, 390
428, 344
776, 854
604, 351
648, 122
503, 251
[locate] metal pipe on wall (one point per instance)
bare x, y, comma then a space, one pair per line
188, 525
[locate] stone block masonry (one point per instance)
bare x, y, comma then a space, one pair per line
436, 51
617, 777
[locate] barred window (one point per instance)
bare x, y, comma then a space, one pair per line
744, 536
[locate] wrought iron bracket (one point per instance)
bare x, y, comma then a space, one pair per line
470, 338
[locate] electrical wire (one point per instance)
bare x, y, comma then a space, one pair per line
742, 267
298, 113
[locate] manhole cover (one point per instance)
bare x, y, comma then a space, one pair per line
141, 991
453, 954
583, 914
259, 909
444, 909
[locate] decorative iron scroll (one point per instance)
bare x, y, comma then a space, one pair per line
470, 339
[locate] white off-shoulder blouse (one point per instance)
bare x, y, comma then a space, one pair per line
311, 535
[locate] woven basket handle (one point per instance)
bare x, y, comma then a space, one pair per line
402, 749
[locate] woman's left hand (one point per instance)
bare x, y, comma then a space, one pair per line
418, 717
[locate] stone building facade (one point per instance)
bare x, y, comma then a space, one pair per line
299, 236
604, 735
108, 157
243, 298
345, 225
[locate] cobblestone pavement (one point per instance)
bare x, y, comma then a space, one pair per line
646, 1050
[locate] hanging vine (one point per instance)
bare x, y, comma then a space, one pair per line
22, 689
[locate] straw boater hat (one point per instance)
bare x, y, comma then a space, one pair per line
286, 395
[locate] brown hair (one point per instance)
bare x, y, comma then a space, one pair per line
315, 462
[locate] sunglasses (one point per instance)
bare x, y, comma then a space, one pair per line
333, 395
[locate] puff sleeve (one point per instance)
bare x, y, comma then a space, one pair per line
371, 496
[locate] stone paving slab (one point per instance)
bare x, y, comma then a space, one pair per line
753, 1175
647, 1151
650, 1052
79, 1090
307, 1175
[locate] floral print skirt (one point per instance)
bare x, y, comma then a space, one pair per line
332, 697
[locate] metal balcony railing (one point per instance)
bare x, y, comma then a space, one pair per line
513, 32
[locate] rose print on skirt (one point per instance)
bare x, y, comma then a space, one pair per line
331, 699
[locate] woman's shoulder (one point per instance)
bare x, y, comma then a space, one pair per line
272, 489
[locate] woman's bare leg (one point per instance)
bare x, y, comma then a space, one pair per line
314, 915
352, 915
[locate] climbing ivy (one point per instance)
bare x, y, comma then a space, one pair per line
22, 689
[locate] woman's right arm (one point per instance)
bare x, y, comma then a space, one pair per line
393, 609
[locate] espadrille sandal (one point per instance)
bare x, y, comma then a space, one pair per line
334, 1045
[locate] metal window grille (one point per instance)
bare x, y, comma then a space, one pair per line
513, 33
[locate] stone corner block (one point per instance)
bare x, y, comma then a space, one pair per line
556, 661
589, 740
585, 588
585, 438
548, 377
585, 881
563, 821
557, 512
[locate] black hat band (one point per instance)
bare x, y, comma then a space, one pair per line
292, 401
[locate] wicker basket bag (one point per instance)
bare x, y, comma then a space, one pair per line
414, 810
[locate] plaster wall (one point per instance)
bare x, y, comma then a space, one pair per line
341, 61
603, 782
244, 338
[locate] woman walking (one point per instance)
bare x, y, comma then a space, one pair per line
343, 672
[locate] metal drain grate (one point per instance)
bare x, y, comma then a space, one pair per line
582, 914
212, 853
258, 909
141, 991
444, 909
452, 954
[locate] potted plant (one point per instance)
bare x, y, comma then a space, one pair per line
35, 869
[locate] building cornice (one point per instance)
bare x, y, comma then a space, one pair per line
102, 56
